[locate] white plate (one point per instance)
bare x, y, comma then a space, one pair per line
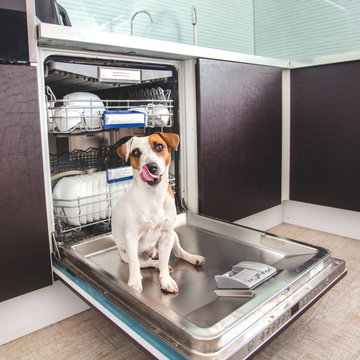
82, 201
66, 119
103, 196
96, 198
67, 189
87, 200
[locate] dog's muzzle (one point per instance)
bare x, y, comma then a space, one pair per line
149, 175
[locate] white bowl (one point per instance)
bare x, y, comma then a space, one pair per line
66, 119
141, 108
90, 105
93, 116
160, 114
80, 96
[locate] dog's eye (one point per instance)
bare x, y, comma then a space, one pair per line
159, 147
136, 153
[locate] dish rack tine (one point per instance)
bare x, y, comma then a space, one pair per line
50, 93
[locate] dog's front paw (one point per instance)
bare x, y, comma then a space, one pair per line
135, 284
169, 285
198, 260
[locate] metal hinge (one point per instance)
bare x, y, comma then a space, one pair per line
55, 247
184, 204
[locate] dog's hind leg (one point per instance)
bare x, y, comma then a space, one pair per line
196, 260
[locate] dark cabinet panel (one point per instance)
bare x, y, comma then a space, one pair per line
239, 138
24, 244
325, 133
13, 30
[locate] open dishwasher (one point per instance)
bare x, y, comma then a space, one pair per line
93, 105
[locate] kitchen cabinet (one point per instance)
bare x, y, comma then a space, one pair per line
239, 138
24, 243
325, 132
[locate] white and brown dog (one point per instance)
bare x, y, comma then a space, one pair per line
143, 221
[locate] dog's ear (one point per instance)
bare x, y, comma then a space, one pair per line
124, 150
172, 140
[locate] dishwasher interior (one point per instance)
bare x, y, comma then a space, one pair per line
93, 106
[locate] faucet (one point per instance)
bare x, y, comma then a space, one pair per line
194, 22
133, 18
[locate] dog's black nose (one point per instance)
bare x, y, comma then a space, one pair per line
152, 167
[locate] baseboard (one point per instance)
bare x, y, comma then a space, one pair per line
30, 312
265, 219
331, 220
336, 221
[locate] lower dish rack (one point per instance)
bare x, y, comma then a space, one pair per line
84, 200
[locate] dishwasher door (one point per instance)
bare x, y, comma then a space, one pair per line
196, 323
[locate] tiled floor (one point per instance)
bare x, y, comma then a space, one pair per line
329, 330
87, 336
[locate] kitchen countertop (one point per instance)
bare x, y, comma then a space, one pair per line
73, 38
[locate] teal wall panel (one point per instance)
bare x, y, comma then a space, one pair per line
302, 29
287, 29
227, 25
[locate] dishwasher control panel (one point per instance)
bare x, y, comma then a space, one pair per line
245, 275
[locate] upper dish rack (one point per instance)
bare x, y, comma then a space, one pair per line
74, 114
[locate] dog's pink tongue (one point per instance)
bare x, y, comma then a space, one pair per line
146, 175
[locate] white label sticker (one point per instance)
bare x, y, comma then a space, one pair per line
119, 74
126, 117
119, 173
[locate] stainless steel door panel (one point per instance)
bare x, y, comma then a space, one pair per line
196, 315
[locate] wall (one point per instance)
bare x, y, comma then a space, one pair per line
227, 26
292, 29
302, 29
